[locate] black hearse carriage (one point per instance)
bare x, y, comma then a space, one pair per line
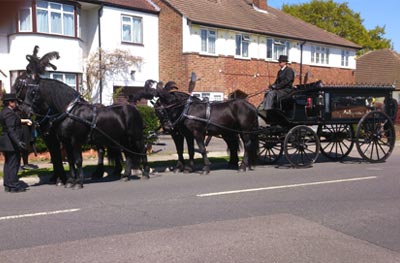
330, 119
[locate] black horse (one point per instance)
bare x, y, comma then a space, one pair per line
47, 133
193, 117
77, 122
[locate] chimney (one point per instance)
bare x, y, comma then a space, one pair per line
260, 4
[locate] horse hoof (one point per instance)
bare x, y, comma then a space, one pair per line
69, 185
125, 178
205, 172
59, 183
78, 186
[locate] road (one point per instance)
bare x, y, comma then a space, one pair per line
332, 212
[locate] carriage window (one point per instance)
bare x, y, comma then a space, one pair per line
55, 18
25, 20
345, 58
208, 41
320, 55
242, 45
276, 48
132, 30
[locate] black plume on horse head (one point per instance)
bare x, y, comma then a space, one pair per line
38, 65
170, 86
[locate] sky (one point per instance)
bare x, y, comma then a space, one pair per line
374, 13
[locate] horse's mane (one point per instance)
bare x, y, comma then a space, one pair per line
58, 93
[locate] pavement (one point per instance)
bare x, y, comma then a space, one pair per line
164, 150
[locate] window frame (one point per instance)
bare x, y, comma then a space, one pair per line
344, 62
272, 45
64, 75
211, 95
70, 10
29, 17
208, 49
244, 45
320, 55
132, 29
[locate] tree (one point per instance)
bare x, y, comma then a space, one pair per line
104, 63
341, 20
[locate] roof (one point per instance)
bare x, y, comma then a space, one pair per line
379, 67
240, 15
142, 5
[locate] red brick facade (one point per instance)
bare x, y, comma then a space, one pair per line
225, 73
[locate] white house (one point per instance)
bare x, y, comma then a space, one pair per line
77, 29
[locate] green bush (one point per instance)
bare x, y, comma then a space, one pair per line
150, 120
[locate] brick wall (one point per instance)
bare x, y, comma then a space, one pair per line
172, 65
227, 74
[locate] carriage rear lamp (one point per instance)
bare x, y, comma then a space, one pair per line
309, 103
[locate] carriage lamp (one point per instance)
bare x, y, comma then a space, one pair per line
309, 103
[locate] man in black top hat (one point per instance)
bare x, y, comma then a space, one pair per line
11, 143
282, 85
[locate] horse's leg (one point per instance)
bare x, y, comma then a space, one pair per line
117, 163
98, 173
246, 145
178, 141
79, 167
190, 144
199, 137
59, 176
146, 168
115, 158
71, 162
232, 141
128, 167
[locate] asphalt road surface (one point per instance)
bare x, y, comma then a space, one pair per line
332, 212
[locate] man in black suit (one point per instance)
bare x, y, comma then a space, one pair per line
282, 85
11, 143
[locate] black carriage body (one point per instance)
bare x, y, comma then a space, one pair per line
330, 119
331, 105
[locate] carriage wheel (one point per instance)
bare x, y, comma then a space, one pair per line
301, 146
336, 140
270, 146
375, 136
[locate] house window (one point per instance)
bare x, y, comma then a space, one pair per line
208, 41
132, 29
345, 58
25, 20
55, 18
68, 78
242, 45
320, 55
275, 48
211, 96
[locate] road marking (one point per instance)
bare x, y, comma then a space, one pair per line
287, 186
40, 214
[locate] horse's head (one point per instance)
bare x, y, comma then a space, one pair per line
33, 101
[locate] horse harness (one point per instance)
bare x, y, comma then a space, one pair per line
58, 117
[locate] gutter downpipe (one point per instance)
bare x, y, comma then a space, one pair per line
301, 61
99, 15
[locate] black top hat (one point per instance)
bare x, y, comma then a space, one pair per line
9, 96
283, 58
